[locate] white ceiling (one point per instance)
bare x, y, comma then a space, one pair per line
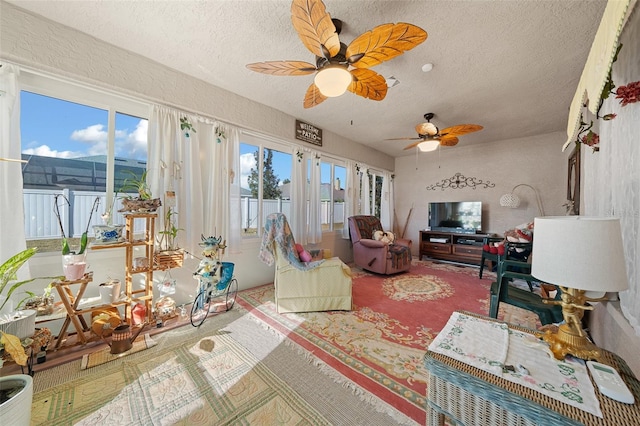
511, 66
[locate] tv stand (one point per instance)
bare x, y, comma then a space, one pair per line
452, 246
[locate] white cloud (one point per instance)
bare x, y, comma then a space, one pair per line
94, 137
133, 144
46, 151
247, 162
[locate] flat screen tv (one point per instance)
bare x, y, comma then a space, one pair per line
456, 216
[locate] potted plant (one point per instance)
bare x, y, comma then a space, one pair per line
169, 255
108, 233
144, 202
21, 322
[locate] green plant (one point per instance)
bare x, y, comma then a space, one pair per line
85, 235
8, 274
137, 184
170, 232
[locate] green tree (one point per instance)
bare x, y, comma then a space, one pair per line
270, 189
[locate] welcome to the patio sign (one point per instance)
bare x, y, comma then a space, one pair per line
308, 133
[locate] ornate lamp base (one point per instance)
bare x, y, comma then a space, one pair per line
567, 341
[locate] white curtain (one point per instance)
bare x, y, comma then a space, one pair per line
298, 219
315, 206
365, 197
386, 202
350, 196
11, 202
200, 166
612, 176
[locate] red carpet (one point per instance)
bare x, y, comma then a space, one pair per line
381, 343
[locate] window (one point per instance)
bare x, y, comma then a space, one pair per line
78, 143
264, 189
332, 179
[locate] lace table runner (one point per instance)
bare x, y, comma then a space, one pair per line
491, 345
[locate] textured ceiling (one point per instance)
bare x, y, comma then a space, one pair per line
510, 66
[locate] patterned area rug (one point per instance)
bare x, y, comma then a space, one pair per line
380, 345
213, 380
229, 371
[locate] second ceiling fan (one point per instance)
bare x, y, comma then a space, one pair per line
445, 137
337, 62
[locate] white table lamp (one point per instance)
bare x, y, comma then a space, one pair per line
579, 254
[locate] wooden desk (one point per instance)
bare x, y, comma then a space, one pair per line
468, 395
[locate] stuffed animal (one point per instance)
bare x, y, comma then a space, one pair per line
385, 237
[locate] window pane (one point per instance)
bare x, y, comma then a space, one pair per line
340, 179
276, 171
66, 145
249, 184
326, 189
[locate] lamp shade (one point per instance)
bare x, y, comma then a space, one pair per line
510, 200
427, 146
333, 80
579, 252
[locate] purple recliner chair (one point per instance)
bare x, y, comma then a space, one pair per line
377, 256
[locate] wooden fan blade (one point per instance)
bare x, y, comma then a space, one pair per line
428, 129
384, 42
448, 141
460, 129
313, 96
314, 26
368, 84
413, 145
404, 139
283, 67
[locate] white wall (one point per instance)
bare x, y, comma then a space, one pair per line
537, 161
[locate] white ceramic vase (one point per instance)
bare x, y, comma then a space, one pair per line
108, 234
74, 266
19, 323
16, 411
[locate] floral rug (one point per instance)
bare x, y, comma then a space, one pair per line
379, 346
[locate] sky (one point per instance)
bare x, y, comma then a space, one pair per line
55, 128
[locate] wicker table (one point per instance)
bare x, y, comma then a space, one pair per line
470, 396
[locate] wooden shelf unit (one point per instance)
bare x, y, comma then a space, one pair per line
130, 243
464, 248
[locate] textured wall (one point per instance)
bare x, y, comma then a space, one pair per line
536, 161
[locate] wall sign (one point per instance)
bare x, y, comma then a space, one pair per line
308, 133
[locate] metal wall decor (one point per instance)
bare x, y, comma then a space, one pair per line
459, 181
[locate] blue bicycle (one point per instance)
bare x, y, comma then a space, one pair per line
216, 296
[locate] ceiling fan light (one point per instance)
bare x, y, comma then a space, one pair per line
333, 80
427, 146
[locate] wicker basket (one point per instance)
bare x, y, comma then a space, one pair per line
168, 259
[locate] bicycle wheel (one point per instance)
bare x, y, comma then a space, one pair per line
232, 290
200, 308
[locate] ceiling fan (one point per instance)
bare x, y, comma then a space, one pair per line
429, 132
339, 68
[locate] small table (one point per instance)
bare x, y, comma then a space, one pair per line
468, 395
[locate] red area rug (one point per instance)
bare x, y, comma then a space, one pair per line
379, 346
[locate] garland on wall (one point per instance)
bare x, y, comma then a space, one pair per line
459, 181
628, 94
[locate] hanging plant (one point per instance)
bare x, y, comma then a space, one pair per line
220, 134
186, 126
587, 136
299, 154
